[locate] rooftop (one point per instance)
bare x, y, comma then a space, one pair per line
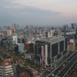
53, 39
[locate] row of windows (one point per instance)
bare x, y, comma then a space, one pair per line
54, 48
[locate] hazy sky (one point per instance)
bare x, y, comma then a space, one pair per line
38, 11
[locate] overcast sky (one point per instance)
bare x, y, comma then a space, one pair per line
38, 12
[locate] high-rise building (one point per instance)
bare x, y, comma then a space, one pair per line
7, 69
50, 50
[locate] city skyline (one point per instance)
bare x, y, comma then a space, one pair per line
41, 12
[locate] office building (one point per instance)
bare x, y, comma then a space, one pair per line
50, 50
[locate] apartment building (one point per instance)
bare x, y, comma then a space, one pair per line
7, 69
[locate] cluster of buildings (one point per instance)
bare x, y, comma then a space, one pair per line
10, 69
45, 46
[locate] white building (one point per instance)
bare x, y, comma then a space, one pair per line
15, 39
21, 47
9, 32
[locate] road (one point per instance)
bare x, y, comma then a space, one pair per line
63, 68
62, 71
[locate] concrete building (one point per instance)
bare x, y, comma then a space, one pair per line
71, 45
9, 32
7, 69
15, 39
18, 41
50, 50
71, 40
21, 47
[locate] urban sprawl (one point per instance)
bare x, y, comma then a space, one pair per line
38, 51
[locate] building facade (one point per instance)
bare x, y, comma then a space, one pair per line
50, 50
7, 69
